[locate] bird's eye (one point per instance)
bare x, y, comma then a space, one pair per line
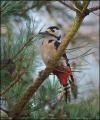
50, 30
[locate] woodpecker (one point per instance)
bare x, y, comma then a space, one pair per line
51, 41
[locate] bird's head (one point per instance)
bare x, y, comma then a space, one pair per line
52, 31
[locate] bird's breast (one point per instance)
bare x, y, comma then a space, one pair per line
47, 51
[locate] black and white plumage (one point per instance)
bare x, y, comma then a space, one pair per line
50, 44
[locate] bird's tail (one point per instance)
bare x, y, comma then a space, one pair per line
67, 94
74, 89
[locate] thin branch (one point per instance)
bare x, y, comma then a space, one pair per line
18, 76
73, 28
90, 10
77, 48
70, 7
84, 11
81, 56
21, 49
95, 14
77, 4
84, 54
94, 8
78, 8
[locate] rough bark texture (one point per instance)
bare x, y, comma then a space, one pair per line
73, 28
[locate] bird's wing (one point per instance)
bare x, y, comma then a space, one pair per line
57, 44
72, 81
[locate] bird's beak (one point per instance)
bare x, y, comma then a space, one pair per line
41, 33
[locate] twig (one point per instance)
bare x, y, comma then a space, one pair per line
21, 49
76, 48
77, 4
95, 14
70, 7
94, 8
18, 76
79, 7
83, 55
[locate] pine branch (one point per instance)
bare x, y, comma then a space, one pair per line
18, 76
53, 107
23, 47
73, 28
83, 55
2, 66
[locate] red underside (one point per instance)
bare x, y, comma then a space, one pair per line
63, 76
